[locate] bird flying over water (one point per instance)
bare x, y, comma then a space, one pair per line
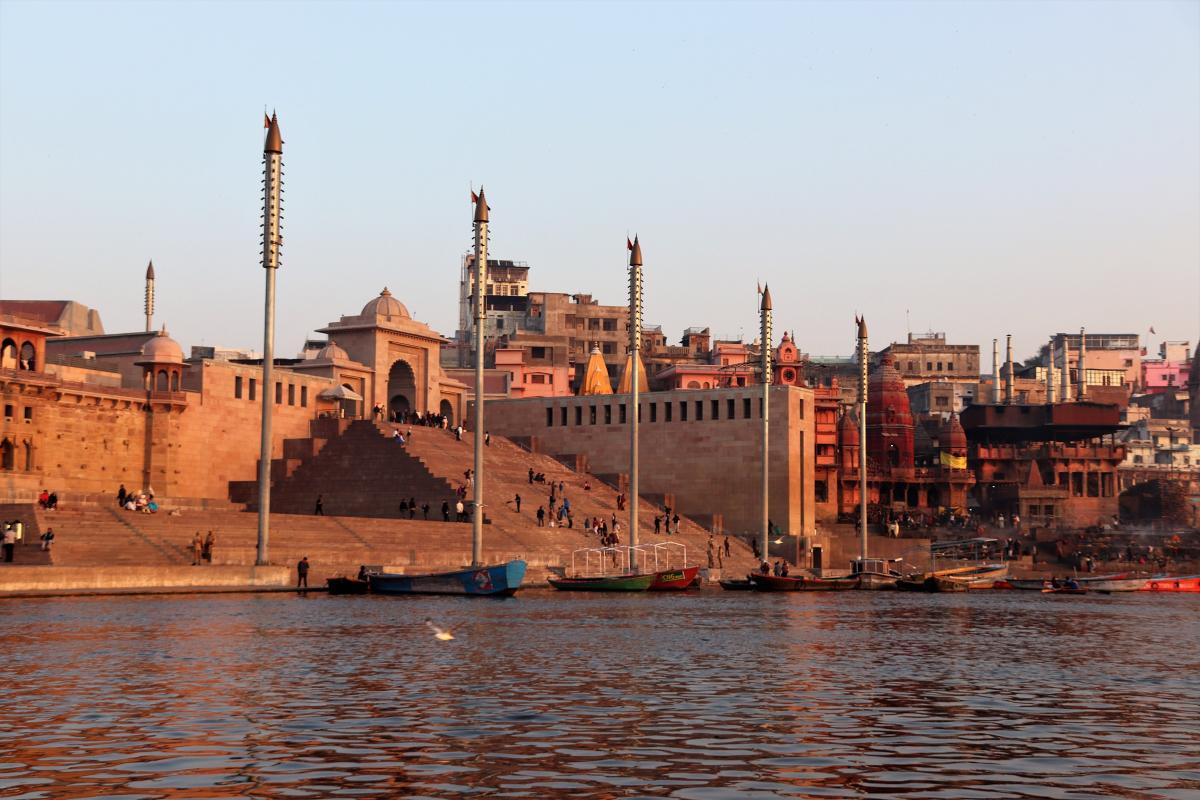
438, 633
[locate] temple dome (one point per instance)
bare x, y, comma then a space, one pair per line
162, 349
952, 435
385, 306
332, 352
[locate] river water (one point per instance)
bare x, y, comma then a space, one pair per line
704, 696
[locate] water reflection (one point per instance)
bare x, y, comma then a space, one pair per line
705, 697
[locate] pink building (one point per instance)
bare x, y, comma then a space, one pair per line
1168, 372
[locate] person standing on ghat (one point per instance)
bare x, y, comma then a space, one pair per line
197, 549
320, 509
445, 511
10, 542
302, 573
121, 495
209, 542
517, 500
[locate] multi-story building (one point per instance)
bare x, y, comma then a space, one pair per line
506, 305
1170, 371
941, 397
1110, 359
928, 357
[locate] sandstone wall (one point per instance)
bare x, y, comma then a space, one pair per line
709, 461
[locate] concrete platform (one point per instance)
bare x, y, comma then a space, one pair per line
48, 580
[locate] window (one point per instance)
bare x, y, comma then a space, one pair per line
606, 348
699, 410
715, 413
621, 416
592, 417
654, 412
760, 408
822, 491
746, 412
562, 417
549, 417
912, 366
683, 410
667, 409
578, 415
237, 387
28, 414
610, 324
537, 352
939, 367
929, 366
304, 397
8, 411
941, 401
741, 381
253, 389
537, 377
730, 409
291, 394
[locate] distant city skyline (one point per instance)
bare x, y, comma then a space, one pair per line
978, 169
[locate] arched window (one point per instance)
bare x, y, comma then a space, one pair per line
28, 356
7, 455
174, 381
161, 384
8, 354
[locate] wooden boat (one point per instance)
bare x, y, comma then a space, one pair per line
1119, 582
777, 583
737, 584
981, 577
344, 585
605, 583
501, 580
674, 579
1172, 583
1064, 590
876, 573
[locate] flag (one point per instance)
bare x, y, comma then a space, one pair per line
1152, 329
474, 197
758, 287
628, 244
266, 120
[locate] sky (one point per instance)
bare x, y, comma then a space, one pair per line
974, 168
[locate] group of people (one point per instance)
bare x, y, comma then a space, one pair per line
779, 569
427, 420
14, 532
142, 502
202, 549
48, 500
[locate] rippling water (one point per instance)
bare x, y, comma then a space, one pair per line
704, 697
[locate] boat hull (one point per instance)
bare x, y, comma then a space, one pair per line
776, 583
346, 586
1168, 583
674, 580
500, 580
605, 583
737, 585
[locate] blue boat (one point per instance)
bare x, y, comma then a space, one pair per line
501, 580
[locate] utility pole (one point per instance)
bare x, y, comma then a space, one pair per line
635, 359
481, 236
863, 353
271, 242
765, 338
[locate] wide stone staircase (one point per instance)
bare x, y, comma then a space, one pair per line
362, 474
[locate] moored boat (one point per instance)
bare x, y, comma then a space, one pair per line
674, 579
605, 583
1064, 590
500, 580
737, 584
344, 585
981, 577
1172, 583
800, 583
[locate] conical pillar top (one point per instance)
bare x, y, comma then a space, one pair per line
274, 143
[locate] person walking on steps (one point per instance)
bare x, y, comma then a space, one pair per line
320, 509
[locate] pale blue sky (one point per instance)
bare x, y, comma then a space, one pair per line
990, 167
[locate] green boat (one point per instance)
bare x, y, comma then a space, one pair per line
605, 583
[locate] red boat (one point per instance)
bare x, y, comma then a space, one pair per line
669, 580
1173, 583
777, 583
